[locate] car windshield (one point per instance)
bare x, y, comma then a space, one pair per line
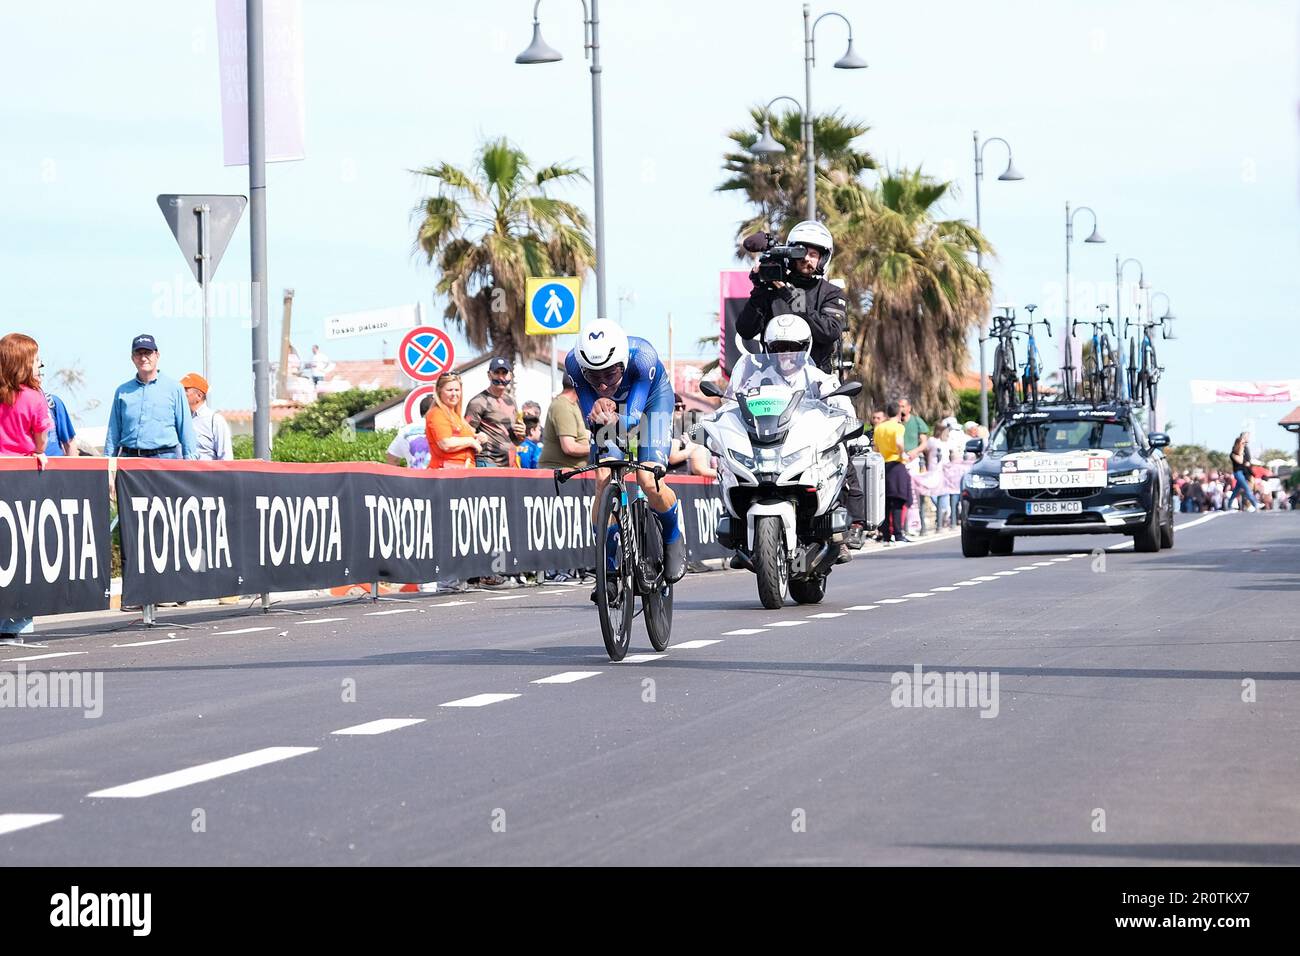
1063, 435
755, 370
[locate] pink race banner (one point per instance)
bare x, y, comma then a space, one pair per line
736, 287
1211, 392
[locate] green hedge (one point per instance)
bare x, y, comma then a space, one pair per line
296, 447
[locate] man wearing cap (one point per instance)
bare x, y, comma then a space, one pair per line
491, 413
211, 432
565, 439
150, 417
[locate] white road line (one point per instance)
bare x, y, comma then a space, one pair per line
1026, 567
1120, 547
396, 610
452, 603
568, 677
861, 607
204, 771
509, 597
827, 614
892, 601
1195, 521
919, 594
741, 632
1079, 554
42, 657
644, 658
381, 726
1042, 564
1003, 574
1059, 560
13, 822
781, 624
692, 645
944, 589
964, 584
561, 591
479, 700
165, 640
243, 630
322, 620
985, 577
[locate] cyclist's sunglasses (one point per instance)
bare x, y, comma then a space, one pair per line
775, 347
607, 376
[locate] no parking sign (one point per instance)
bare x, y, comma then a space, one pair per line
425, 353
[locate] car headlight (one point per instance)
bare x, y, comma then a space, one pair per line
1134, 477
741, 459
976, 480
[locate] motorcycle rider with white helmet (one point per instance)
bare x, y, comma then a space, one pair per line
823, 306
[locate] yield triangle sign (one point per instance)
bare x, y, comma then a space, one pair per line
202, 226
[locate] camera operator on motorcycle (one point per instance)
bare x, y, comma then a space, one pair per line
624, 388
804, 291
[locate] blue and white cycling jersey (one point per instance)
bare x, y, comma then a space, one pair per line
645, 398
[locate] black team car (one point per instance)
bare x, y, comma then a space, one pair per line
1067, 469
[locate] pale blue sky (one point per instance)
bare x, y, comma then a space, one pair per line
1176, 121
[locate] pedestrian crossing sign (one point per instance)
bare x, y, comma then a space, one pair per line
553, 304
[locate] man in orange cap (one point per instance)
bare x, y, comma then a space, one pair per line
211, 432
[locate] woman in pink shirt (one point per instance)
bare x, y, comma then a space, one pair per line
24, 421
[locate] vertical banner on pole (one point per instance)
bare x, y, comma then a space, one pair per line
736, 288
285, 111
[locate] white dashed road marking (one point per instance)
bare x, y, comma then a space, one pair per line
1026, 567
827, 614
892, 601
919, 594
944, 589
479, 700
986, 577
396, 610
451, 603
164, 640
1003, 574
568, 677
740, 632
861, 607
13, 822
323, 620
692, 645
381, 726
781, 624
42, 657
204, 771
644, 658
243, 630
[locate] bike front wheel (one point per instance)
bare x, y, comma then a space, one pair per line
615, 594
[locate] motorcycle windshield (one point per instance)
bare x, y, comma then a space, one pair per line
753, 371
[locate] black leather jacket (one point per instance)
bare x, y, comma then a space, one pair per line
823, 307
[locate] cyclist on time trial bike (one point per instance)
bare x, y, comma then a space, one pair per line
623, 387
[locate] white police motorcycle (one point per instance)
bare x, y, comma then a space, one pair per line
782, 463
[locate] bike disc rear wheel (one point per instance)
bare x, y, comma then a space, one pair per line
657, 599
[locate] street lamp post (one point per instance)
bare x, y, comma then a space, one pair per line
1011, 174
1068, 341
539, 52
849, 61
767, 147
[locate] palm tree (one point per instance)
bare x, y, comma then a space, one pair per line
926, 293
491, 227
777, 186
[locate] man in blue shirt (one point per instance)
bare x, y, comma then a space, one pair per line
150, 417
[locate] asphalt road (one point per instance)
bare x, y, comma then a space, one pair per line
1118, 734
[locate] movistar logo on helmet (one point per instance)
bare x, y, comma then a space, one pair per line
595, 335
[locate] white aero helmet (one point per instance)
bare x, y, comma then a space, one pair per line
601, 346
787, 333
813, 233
